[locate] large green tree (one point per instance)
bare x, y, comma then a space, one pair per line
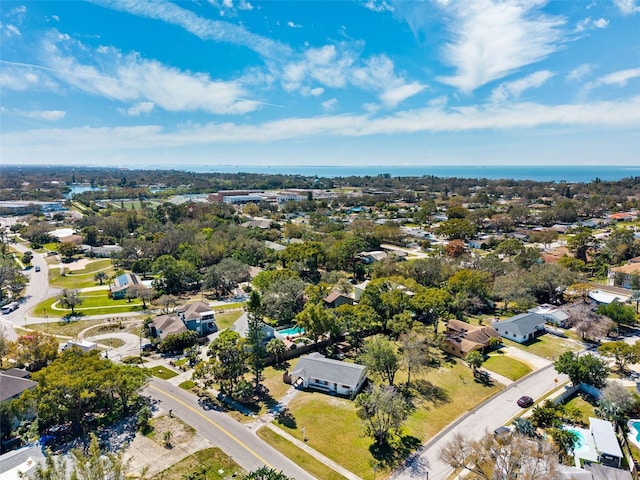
382, 358
585, 368
78, 386
384, 410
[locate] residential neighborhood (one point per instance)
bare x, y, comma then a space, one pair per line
239, 328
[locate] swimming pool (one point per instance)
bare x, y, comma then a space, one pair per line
581, 443
291, 332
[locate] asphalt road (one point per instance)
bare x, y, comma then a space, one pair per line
490, 415
235, 439
37, 289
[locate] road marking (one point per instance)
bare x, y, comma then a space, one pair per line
222, 429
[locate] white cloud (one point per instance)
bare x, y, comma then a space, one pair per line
509, 90
47, 115
228, 6
201, 27
580, 72
130, 78
492, 39
590, 24
618, 79
625, 114
394, 96
293, 25
377, 5
10, 30
330, 105
627, 7
139, 109
316, 92
21, 77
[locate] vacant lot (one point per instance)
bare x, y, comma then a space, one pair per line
506, 366
546, 346
207, 464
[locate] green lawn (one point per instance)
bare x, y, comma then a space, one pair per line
442, 395
581, 404
93, 303
80, 278
187, 384
111, 342
547, 346
298, 456
225, 320
508, 367
207, 464
163, 372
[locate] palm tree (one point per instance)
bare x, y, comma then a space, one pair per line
100, 277
474, 359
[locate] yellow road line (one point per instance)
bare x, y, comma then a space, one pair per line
222, 429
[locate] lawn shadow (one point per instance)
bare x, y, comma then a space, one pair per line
483, 378
286, 418
283, 366
395, 451
431, 393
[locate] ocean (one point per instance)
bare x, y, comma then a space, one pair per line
571, 174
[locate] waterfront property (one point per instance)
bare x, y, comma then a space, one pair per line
327, 375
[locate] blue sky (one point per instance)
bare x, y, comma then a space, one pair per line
371, 82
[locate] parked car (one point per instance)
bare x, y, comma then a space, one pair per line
37, 269
525, 401
10, 307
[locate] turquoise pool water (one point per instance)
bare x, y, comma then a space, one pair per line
291, 331
636, 425
581, 444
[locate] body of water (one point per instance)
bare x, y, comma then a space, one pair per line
569, 174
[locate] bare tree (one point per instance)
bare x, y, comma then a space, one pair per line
497, 457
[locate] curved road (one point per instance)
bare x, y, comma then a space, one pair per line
234, 438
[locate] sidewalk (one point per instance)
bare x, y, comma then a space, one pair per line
315, 454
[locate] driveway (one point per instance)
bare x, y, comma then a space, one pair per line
491, 414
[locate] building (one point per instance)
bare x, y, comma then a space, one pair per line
551, 314
327, 375
13, 383
624, 276
122, 284
196, 317
606, 442
242, 199
335, 299
219, 197
462, 338
521, 328
24, 207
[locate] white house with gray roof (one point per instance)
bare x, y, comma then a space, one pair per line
607, 446
521, 328
328, 375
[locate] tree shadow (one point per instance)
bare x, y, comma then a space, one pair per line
483, 378
281, 366
430, 392
286, 418
393, 452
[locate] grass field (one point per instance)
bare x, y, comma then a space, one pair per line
506, 366
80, 278
74, 327
207, 464
298, 456
225, 320
93, 303
162, 372
547, 346
438, 397
583, 406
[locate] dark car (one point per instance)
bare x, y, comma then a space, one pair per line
37, 269
525, 401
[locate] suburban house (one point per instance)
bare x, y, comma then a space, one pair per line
332, 376
462, 338
372, 256
521, 328
625, 275
335, 299
551, 314
13, 383
197, 317
606, 442
122, 283
241, 326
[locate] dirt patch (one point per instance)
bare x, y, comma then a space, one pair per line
79, 264
180, 431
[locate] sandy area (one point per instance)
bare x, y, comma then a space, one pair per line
79, 264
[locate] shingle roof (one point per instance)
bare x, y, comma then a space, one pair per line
522, 324
12, 386
193, 310
168, 324
332, 371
